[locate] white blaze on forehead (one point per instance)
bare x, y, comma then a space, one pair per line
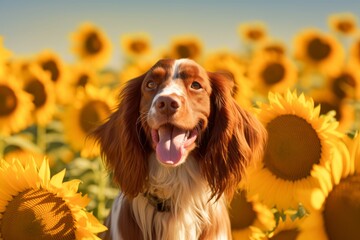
174, 87
177, 64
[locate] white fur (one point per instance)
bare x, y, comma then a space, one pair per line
178, 62
190, 206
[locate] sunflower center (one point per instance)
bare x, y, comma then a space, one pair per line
318, 49
255, 34
273, 73
52, 67
138, 46
37, 214
8, 100
93, 44
183, 51
342, 84
92, 114
83, 80
37, 90
243, 214
342, 210
286, 235
293, 147
345, 26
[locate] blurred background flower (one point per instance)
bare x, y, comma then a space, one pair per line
295, 66
90, 44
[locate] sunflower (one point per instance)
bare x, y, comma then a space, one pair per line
343, 23
272, 73
319, 51
91, 45
50, 62
38, 83
15, 106
346, 83
35, 206
252, 32
249, 218
301, 147
4, 56
229, 63
89, 110
186, 46
136, 44
338, 214
81, 75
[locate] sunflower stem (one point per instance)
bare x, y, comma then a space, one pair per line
41, 137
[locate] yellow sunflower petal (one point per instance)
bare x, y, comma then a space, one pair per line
71, 186
56, 180
44, 173
96, 227
79, 200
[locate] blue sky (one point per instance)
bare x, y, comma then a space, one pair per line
31, 26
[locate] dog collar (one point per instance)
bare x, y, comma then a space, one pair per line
161, 205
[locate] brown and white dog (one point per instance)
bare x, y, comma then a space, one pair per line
177, 145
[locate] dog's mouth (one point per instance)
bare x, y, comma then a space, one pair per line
172, 144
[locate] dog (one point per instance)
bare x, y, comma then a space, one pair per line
177, 145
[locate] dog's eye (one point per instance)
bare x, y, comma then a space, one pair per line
196, 85
151, 85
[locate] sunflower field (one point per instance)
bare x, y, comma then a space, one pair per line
53, 184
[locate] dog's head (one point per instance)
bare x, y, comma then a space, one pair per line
177, 108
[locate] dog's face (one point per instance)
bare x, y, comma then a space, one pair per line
174, 108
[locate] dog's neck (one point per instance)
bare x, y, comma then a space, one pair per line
167, 182
185, 195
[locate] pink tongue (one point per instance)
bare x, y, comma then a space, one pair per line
170, 148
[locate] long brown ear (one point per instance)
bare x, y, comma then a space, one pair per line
123, 143
234, 138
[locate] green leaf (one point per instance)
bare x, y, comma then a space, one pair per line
302, 211
23, 143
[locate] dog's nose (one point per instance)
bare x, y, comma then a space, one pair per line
168, 104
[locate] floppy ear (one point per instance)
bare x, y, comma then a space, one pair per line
233, 139
123, 142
